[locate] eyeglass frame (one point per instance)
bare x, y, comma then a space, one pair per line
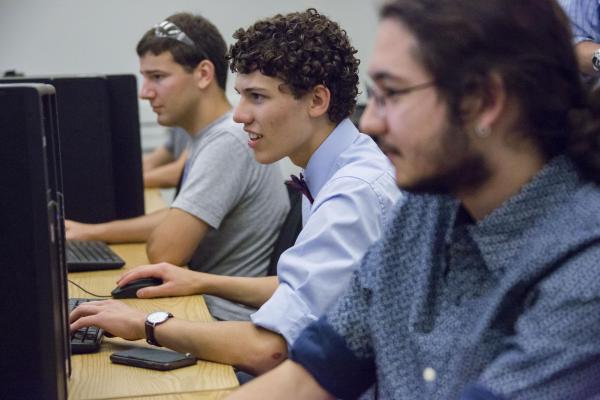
382, 99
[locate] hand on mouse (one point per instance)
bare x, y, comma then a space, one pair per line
177, 281
115, 317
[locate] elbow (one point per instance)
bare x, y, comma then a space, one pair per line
266, 354
158, 252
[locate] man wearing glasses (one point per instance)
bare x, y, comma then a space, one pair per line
227, 214
486, 283
297, 75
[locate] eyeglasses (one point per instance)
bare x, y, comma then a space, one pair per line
168, 29
383, 99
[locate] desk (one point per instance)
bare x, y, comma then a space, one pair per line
95, 377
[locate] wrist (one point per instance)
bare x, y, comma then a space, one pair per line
202, 283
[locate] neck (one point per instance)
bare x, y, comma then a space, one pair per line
210, 108
510, 171
320, 129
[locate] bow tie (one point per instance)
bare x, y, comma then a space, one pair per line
300, 185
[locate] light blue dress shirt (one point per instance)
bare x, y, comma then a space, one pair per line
585, 19
353, 186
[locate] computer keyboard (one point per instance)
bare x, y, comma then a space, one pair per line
85, 340
90, 255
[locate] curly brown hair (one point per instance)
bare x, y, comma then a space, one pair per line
303, 49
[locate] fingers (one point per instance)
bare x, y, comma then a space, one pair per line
164, 290
143, 271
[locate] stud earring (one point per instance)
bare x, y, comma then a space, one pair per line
483, 131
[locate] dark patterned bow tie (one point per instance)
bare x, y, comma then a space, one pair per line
300, 185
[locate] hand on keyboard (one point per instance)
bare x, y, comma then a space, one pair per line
114, 317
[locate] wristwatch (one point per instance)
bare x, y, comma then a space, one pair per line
596, 60
152, 320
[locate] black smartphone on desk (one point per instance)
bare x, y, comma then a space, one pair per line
162, 360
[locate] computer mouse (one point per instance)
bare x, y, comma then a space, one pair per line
129, 291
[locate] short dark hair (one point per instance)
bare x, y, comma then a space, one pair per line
528, 43
303, 49
208, 45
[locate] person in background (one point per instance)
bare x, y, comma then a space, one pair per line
227, 215
164, 166
297, 75
585, 23
485, 284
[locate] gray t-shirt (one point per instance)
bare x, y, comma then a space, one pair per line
177, 141
244, 203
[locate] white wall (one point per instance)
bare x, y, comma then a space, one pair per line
41, 37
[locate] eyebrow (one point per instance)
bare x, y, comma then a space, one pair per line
379, 76
152, 71
251, 89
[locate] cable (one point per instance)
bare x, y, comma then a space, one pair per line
88, 292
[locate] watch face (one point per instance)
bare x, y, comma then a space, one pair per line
596, 60
158, 317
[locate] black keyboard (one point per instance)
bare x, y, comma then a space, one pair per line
85, 340
90, 255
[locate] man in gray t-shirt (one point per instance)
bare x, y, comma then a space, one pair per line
228, 213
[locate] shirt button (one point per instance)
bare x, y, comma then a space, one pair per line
429, 374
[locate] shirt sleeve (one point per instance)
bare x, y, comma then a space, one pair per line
216, 180
585, 19
337, 350
313, 273
555, 350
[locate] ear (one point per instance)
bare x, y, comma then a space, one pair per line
486, 106
204, 73
320, 96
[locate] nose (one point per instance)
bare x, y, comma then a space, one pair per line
147, 92
372, 122
241, 114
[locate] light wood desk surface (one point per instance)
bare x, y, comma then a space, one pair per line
95, 377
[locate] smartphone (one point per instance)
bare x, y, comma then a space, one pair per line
162, 360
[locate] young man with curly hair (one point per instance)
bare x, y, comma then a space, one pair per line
297, 76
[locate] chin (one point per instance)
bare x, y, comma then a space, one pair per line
265, 158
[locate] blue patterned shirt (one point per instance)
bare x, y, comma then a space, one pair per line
509, 305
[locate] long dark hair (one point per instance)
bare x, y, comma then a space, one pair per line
529, 44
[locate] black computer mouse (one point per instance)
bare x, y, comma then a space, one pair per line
129, 291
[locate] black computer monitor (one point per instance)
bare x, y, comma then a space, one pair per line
100, 145
34, 340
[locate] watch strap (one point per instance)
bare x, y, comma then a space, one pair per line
149, 327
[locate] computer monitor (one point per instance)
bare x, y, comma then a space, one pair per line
34, 340
100, 145
126, 146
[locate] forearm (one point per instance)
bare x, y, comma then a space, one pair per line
251, 291
238, 343
156, 158
288, 381
129, 230
584, 51
164, 176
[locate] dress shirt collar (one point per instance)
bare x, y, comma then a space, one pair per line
321, 164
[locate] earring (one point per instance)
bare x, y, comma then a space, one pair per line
483, 131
